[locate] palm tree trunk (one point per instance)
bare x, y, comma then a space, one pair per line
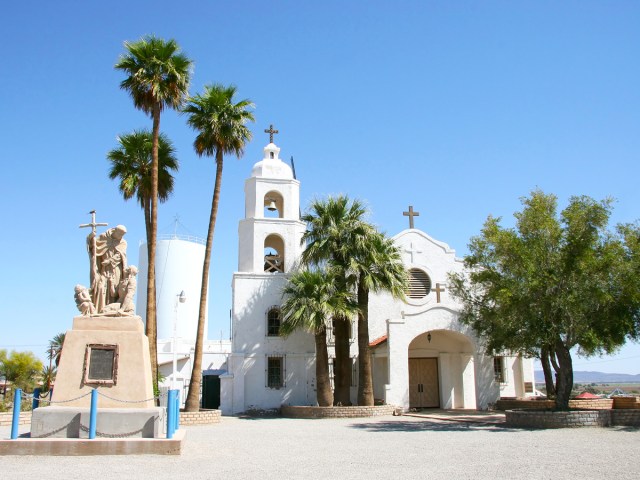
365, 380
323, 393
152, 327
342, 362
193, 398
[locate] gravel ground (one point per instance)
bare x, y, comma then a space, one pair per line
387, 447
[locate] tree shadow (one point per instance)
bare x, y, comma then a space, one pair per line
423, 425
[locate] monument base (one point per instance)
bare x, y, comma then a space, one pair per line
73, 422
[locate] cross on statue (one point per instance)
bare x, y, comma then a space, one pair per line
438, 290
411, 214
271, 131
93, 223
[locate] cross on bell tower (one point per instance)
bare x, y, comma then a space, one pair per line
271, 131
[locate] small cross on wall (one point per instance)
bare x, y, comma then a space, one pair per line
438, 291
411, 214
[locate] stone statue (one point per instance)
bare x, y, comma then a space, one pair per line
126, 290
108, 257
83, 300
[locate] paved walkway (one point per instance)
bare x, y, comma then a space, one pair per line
433, 445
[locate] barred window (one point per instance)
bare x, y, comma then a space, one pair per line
419, 284
499, 372
273, 321
275, 371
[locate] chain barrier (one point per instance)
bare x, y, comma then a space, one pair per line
112, 435
63, 401
131, 401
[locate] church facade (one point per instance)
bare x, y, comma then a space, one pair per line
422, 356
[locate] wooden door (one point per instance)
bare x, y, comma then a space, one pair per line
423, 383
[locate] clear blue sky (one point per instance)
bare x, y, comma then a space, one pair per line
457, 108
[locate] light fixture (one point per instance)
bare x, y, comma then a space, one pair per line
429, 337
182, 297
272, 205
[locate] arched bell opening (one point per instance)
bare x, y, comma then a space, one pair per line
273, 254
273, 205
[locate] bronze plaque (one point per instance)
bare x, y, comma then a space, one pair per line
528, 387
101, 364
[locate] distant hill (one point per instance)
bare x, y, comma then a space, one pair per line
596, 377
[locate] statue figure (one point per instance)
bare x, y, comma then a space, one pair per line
126, 290
108, 256
83, 300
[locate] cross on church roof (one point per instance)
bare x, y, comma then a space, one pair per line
411, 214
271, 131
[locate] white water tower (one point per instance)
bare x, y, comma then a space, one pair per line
179, 260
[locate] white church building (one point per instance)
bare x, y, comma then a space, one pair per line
422, 356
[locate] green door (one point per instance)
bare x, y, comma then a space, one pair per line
211, 391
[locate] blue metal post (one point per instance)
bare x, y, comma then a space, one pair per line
93, 414
36, 399
177, 414
17, 400
171, 406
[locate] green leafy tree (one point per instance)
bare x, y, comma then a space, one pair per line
158, 77
553, 283
54, 350
131, 163
221, 123
311, 299
20, 368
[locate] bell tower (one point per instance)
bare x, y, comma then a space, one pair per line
270, 233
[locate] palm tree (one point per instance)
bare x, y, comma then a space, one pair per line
158, 77
310, 299
131, 163
221, 127
48, 375
337, 234
377, 264
334, 226
54, 350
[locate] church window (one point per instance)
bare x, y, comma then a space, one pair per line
499, 371
275, 371
419, 284
273, 322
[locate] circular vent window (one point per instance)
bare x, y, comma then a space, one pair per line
419, 283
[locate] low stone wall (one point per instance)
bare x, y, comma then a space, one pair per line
578, 404
203, 417
556, 419
6, 418
626, 402
336, 412
626, 417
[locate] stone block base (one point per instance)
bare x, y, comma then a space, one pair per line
203, 417
73, 422
336, 412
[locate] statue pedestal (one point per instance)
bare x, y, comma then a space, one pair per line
110, 354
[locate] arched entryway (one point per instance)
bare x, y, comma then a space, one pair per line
440, 364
